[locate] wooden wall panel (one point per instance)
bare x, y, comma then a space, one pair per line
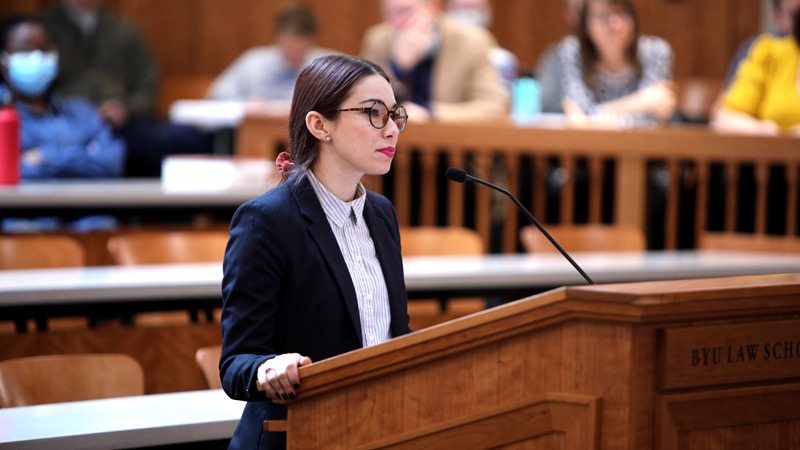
21, 6
526, 27
704, 35
201, 37
169, 32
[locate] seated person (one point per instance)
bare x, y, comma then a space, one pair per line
269, 73
107, 60
764, 97
440, 68
782, 14
479, 13
613, 77
59, 136
549, 71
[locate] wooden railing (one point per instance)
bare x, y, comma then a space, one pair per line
568, 176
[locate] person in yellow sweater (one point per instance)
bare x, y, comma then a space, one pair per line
765, 95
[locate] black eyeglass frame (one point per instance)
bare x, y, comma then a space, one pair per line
393, 113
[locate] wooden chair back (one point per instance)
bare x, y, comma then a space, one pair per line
584, 238
37, 380
430, 241
165, 247
40, 252
748, 242
208, 360
440, 241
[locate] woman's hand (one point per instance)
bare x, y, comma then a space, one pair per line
414, 40
660, 99
576, 118
279, 376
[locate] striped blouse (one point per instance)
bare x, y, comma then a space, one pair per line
352, 235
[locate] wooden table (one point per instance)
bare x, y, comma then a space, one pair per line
115, 289
129, 422
124, 205
46, 198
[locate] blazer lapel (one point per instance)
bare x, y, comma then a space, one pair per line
391, 266
320, 231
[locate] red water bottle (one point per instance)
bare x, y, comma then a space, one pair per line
9, 143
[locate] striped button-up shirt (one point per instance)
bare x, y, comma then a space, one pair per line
352, 235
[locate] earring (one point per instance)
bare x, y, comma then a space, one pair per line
327, 138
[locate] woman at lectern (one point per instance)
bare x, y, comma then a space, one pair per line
313, 267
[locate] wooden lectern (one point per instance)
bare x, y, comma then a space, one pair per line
699, 364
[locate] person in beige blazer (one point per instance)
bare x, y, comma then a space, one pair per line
440, 68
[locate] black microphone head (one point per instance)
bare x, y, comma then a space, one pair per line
454, 174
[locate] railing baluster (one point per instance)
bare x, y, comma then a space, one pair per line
483, 199
511, 222
455, 193
401, 166
428, 159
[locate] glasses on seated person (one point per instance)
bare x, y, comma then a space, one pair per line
605, 18
379, 115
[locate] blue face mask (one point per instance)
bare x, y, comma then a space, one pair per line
31, 73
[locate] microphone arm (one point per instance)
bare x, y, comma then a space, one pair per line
460, 176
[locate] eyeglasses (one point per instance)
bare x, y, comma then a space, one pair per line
605, 18
379, 115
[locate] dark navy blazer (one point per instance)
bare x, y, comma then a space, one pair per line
286, 289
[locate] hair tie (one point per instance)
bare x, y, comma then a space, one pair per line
284, 164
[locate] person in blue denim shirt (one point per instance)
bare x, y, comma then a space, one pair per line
60, 137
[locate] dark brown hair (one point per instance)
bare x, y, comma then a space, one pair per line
589, 52
297, 19
322, 87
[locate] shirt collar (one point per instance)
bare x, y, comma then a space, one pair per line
335, 209
55, 102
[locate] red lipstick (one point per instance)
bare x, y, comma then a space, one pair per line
388, 151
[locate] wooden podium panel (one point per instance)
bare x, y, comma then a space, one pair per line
627, 366
747, 418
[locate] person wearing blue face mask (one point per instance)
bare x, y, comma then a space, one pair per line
107, 59
60, 137
32, 72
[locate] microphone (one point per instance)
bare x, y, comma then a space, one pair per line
460, 176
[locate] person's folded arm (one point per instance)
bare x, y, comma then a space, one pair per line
93, 153
732, 121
